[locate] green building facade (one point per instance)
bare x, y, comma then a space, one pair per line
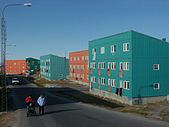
32, 65
129, 67
54, 67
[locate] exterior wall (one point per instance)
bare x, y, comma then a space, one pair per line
32, 65
119, 75
146, 52
79, 66
54, 67
15, 66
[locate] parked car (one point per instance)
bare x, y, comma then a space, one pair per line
15, 81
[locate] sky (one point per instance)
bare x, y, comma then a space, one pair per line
62, 26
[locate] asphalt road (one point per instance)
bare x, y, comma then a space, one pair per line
61, 112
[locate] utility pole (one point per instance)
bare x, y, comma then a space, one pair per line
4, 100
4, 104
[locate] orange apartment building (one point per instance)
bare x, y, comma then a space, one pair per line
15, 66
78, 62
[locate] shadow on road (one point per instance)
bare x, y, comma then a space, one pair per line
55, 96
17, 96
58, 111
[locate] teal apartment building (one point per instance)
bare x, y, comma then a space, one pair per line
32, 66
130, 67
54, 67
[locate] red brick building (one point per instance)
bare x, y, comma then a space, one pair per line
78, 62
15, 66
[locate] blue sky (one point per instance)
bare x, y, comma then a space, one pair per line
59, 26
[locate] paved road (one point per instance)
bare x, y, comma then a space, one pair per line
61, 112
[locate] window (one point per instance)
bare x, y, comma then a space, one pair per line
93, 65
126, 66
113, 84
93, 51
156, 66
109, 65
113, 49
87, 57
99, 80
82, 57
156, 86
82, 67
109, 82
102, 50
125, 47
103, 81
82, 76
113, 65
78, 58
99, 65
74, 58
121, 66
103, 65
70, 58
93, 79
126, 84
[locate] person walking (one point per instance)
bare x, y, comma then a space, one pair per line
41, 102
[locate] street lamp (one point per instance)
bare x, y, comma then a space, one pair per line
3, 53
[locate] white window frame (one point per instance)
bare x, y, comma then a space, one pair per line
78, 58
113, 65
103, 81
127, 85
126, 66
113, 48
125, 47
109, 82
113, 83
82, 57
121, 65
93, 79
102, 50
158, 66
93, 51
157, 87
103, 65
109, 65
99, 65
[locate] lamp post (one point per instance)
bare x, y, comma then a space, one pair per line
4, 105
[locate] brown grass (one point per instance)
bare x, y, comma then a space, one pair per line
41, 82
6, 119
142, 110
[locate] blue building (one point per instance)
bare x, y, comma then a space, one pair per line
129, 67
54, 67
